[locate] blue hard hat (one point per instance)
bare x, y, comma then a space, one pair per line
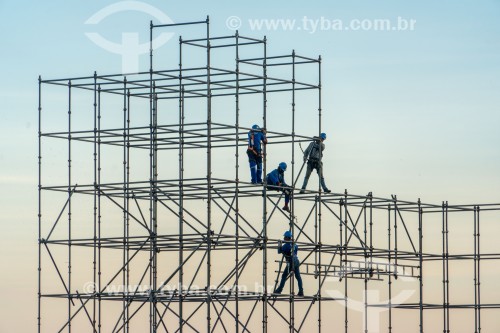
282, 166
322, 136
255, 127
287, 234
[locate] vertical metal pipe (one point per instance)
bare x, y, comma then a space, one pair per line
395, 236
152, 313
341, 252
366, 275
181, 212
155, 209
475, 269
69, 206
292, 284
124, 212
39, 307
478, 271
320, 110
371, 227
443, 268
346, 290
237, 179
127, 204
209, 180
317, 227
447, 272
99, 310
371, 234
153, 202
94, 261
181, 191
389, 275
264, 202
365, 230
420, 261
445, 265
151, 52
318, 203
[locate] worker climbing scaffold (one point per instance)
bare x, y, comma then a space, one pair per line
292, 262
256, 136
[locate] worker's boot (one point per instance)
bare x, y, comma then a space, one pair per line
323, 185
304, 185
300, 293
286, 208
278, 291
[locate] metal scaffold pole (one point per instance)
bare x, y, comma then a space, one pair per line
344, 263
126, 195
319, 206
420, 264
237, 187
181, 191
95, 211
366, 274
69, 207
96, 186
39, 292
264, 199
389, 275
152, 314
319, 203
446, 313
292, 216
154, 208
209, 183
477, 272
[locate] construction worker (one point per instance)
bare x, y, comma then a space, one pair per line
312, 155
254, 151
276, 181
292, 262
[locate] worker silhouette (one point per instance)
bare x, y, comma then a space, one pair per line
313, 155
292, 262
276, 181
256, 137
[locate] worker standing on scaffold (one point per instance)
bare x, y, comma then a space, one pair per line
276, 181
313, 155
254, 151
292, 262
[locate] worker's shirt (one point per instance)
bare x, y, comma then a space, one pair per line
276, 177
255, 139
313, 151
286, 250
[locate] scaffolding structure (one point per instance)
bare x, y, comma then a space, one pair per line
130, 240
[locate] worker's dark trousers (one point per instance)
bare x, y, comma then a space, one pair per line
255, 162
296, 264
311, 165
286, 191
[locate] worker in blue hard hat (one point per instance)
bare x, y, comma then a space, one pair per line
292, 262
313, 155
276, 181
256, 137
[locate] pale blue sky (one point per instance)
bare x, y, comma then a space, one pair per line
414, 113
